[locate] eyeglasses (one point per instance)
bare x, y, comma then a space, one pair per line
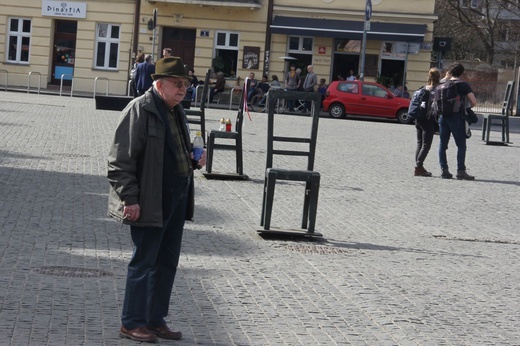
179, 83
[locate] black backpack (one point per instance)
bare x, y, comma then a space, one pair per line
446, 99
420, 104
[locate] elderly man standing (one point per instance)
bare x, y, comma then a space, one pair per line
150, 170
308, 85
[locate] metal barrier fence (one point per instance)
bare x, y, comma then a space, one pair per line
489, 96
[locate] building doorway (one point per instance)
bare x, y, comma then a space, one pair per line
343, 63
182, 43
64, 52
392, 72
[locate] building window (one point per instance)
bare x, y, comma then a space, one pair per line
300, 44
19, 40
347, 46
107, 45
226, 53
503, 34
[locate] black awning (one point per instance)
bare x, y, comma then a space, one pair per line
347, 29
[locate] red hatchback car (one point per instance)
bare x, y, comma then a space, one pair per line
365, 98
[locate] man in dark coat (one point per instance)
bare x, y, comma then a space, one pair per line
150, 170
143, 75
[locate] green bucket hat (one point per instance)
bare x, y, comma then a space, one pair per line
170, 67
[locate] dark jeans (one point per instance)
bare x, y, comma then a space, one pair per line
425, 129
308, 103
452, 125
290, 103
153, 266
214, 92
133, 89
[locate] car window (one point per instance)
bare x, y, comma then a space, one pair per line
379, 92
374, 90
368, 90
348, 88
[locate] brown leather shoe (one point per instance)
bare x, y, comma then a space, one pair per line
164, 332
138, 334
421, 172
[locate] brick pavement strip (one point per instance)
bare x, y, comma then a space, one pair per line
404, 260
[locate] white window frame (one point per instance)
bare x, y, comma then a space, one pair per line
19, 34
108, 40
227, 45
300, 44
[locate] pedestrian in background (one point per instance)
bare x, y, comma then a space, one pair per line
322, 89
143, 75
139, 59
167, 52
292, 81
150, 170
194, 82
308, 85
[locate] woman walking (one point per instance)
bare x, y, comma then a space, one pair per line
425, 127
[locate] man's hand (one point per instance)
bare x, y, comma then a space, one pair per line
202, 161
132, 212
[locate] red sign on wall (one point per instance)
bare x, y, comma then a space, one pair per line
322, 50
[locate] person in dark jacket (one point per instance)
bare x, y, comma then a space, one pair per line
425, 127
219, 86
456, 125
143, 75
139, 59
150, 170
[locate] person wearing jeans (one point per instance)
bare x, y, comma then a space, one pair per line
455, 124
150, 171
425, 127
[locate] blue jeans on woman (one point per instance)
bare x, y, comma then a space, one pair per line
452, 125
153, 266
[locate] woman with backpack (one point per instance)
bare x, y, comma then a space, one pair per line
425, 125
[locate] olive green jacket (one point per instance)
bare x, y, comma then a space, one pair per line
135, 162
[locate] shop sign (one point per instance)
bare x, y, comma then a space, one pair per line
67, 9
251, 58
322, 50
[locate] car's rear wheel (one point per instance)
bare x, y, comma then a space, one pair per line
403, 117
337, 110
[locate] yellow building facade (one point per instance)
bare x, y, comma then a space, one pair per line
91, 44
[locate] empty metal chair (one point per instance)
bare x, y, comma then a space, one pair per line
310, 177
236, 135
502, 118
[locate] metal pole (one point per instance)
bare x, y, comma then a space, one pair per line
405, 69
366, 27
154, 31
267, 46
363, 52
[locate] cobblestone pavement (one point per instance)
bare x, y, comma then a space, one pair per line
404, 260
